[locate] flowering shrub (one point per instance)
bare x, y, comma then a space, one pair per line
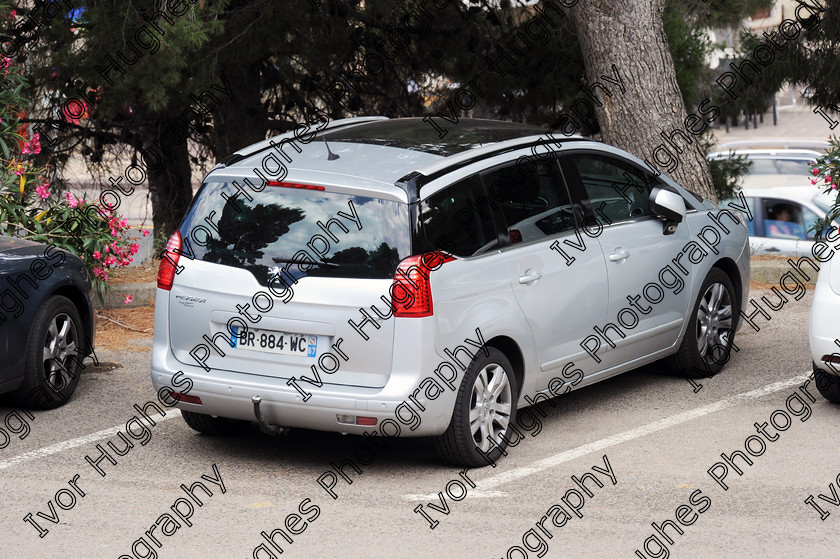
29, 209
826, 175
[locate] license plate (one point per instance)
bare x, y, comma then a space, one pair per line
270, 341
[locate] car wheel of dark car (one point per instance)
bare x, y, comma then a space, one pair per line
708, 338
828, 385
213, 425
53, 355
485, 409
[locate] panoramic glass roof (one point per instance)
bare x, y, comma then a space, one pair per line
414, 134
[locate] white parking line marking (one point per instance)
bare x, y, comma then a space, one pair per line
470, 493
484, 487
73, 443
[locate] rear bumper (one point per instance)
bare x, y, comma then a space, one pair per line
228, 393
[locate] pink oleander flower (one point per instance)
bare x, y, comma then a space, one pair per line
128, 299
33, 146
813, 181
145, 232
72, 201
123, 223
815, 171
5, 62
12, 15
20, 169
827, 179
97, 271
97, 255
42, 191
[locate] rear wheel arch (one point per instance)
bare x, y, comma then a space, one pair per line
512, 351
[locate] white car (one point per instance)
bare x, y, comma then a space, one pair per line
782, 218
823, 333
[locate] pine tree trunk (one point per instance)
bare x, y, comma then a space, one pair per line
243, 122
170, 186
630, 35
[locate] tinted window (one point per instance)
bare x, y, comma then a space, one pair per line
306, 232
459, 218
616, 189
532, 198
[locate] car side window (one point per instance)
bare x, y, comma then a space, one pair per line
616, 189
460, 218
809, 219
784, 220
532, 198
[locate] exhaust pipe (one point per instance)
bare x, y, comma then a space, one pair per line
264, 426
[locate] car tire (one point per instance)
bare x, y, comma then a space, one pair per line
212, 424
54, 355
828, 385
488, 394
708, 339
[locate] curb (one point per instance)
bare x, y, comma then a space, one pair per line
144, 294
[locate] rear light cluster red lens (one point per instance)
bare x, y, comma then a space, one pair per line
294, 185
188, 398
411, 293
169, 262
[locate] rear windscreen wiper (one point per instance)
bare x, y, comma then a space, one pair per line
292, 261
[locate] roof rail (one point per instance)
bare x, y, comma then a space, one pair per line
472, 155
413, 181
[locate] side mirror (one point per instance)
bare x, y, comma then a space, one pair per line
668, 206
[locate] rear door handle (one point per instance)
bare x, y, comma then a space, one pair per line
530, 276
619, 254
771, 249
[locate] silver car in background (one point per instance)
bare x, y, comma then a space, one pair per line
376, 276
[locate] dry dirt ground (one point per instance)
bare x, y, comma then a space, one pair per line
116, 329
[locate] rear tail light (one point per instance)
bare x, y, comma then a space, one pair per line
294, 185
411, 293
169, 262
355, 420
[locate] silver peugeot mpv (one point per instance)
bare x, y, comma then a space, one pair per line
404, 278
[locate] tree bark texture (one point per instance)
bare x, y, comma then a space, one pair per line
168, 170
628, 36
243, 122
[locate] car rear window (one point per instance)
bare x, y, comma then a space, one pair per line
306, 232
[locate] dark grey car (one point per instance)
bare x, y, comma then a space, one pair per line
46, 322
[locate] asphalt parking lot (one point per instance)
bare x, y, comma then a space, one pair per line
646, 440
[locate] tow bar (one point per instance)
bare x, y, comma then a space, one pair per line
264, 426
